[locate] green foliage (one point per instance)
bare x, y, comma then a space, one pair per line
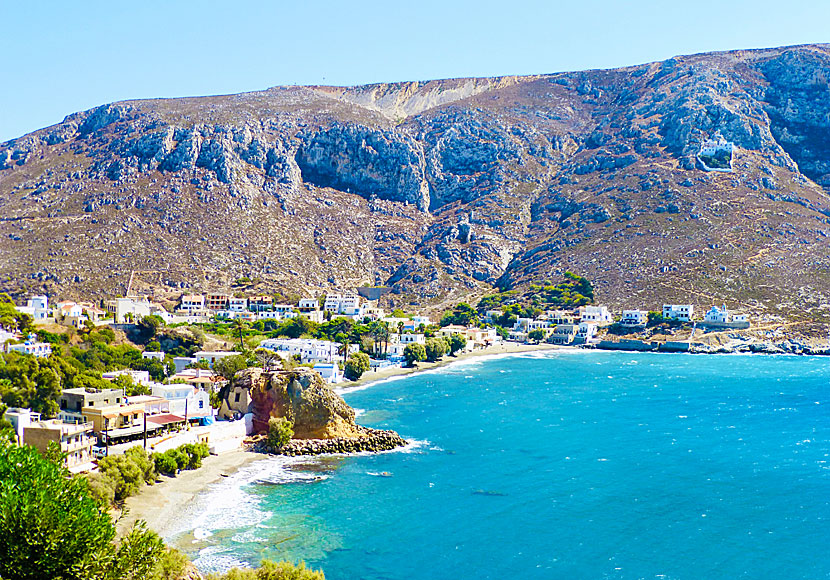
52, 526
435, 348
187, 456
280, 432
573, 291
171, 565
537, 335
456, 343
720, 160
463, 314
126, 473
357, 364
228, 366
398, 313
272, 571
656, 319
153, 346
414, 353
12, 319
149, 326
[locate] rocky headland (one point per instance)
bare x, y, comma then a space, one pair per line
322, 421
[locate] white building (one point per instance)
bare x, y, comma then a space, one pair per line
237, 304
159, 356
347, 304
37, 307
185, 398
599, 315
123, 309
20, 419
309, 304
193, 302
36, 349
634, 318
308, 349
585, 332
330, 372
723, 316
138, 377
407, 338
211, 357
682, 312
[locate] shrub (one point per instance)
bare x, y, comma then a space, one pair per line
414, 353
280, 432
357, 364
272, 571
435, 348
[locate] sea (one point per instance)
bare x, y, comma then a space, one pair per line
554, 464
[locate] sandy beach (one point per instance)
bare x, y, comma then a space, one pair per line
162, 504
504, 348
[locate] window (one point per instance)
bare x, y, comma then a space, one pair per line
201, 404
236, 399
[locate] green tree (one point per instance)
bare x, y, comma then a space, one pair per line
53, 528
228, 366
414, 353
435, 348
536, 335
457, 342
153, 346
280, 432
463, 314
357, 364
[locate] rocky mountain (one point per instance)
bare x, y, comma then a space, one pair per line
444, 189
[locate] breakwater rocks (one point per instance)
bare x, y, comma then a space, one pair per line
374, 440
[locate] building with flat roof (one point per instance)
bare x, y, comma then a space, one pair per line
75, 440
73, 401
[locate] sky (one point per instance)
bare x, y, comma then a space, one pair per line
63, 56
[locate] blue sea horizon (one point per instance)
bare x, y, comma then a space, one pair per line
553, 465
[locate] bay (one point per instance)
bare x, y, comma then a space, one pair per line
564, 464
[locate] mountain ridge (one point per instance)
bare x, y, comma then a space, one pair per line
444, 189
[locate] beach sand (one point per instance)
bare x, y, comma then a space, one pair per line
504, 348
162, 505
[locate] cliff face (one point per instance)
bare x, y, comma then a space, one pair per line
444, 188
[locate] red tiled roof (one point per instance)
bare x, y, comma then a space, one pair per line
165, 419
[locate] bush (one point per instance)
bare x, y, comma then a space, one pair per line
280, 432
435, 348
357, 364
187, 456
171, 565
414, 353
165, 463
272, 571
128, 472
52, 527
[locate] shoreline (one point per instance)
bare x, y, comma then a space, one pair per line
371, 377
161, 504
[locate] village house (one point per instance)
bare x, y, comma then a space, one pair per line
585, 333
31, 347
308, 349
20, 419
723, 317
210, 357
682, 312
347, 304
560, 316
37, 307
128, 309
157, 355
186, 400
237, 304
138, 377
75, 441
563, 334
117, 422
72, 402
216, 301
330, 372
598, 315
260, 303
192, 303
634, 318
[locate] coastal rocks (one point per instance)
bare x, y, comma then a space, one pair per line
371, 440
301, 396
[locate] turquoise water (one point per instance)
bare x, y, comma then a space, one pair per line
592, 465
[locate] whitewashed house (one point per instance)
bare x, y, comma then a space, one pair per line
598, 315
31, 347
237, 304
185, 398
308, 349
330, 372
37, 307
634, 318
682, 312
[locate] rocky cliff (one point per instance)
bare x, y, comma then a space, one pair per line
444, 189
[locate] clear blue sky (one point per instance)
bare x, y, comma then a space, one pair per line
65, 56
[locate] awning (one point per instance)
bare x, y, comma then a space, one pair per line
165, 419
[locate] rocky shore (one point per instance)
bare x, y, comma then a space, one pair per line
374, 440
789, 346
